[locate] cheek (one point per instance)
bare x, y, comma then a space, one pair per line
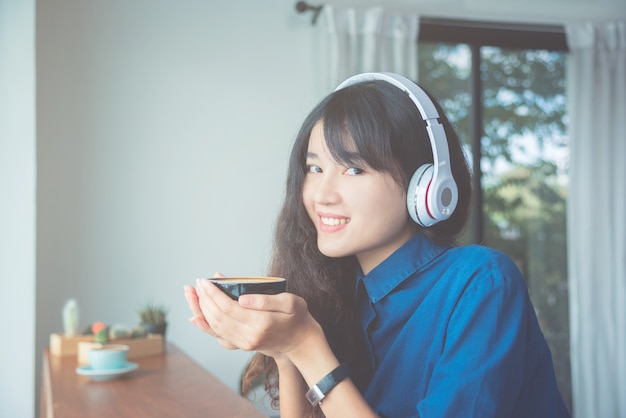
391, 213
391, 205
390, 196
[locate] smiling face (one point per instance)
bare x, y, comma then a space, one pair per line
355, 209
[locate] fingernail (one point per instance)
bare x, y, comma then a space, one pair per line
245, 300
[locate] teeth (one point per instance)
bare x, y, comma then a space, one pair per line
335, 221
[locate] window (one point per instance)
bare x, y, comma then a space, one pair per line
503, 87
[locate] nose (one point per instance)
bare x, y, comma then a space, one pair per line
326, 190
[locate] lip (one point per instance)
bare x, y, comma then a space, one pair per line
323, 227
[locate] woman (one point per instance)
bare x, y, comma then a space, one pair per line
384, 315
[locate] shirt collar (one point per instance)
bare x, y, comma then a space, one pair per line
401, 264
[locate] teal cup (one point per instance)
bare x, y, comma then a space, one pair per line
109, 357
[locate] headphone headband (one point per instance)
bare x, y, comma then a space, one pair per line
432, 194
427, 109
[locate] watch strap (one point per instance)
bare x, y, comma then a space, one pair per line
327, 383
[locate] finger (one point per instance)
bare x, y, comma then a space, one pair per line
189, 292
192, 300
198, 318
215, 305
193, 297
227, 345
203, 326
223, 314
282, 303
205, 288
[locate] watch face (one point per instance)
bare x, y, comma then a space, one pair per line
314, 395
328, 382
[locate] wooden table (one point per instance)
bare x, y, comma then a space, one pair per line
165, 385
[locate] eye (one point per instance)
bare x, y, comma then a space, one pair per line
311, 168
353, 171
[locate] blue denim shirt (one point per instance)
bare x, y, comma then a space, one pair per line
451, 332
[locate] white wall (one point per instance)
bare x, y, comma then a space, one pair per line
17, 207
162, 133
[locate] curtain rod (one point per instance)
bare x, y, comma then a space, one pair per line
501, 34
303, 6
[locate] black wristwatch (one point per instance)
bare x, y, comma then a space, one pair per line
328, 382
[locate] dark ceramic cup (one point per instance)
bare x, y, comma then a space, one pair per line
237, 286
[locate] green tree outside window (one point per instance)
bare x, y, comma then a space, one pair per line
523, 160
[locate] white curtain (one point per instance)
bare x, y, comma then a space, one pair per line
596, 90
373, 39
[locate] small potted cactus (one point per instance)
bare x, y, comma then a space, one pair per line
100, 332
153, 318
70, 318
66, 342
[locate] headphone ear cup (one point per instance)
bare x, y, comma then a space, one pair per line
416, 197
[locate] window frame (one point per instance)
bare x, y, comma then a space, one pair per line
499, 34
477, 34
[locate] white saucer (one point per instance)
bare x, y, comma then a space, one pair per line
106, 374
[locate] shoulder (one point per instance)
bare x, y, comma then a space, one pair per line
488, 292
478, 258
480, 254
478, 268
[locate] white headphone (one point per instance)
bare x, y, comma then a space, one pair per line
432, 194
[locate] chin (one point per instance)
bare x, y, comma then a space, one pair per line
332, 251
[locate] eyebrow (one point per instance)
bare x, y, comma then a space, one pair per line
353, 157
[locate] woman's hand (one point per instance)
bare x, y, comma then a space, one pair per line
274, 325
279, 326
198, 318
